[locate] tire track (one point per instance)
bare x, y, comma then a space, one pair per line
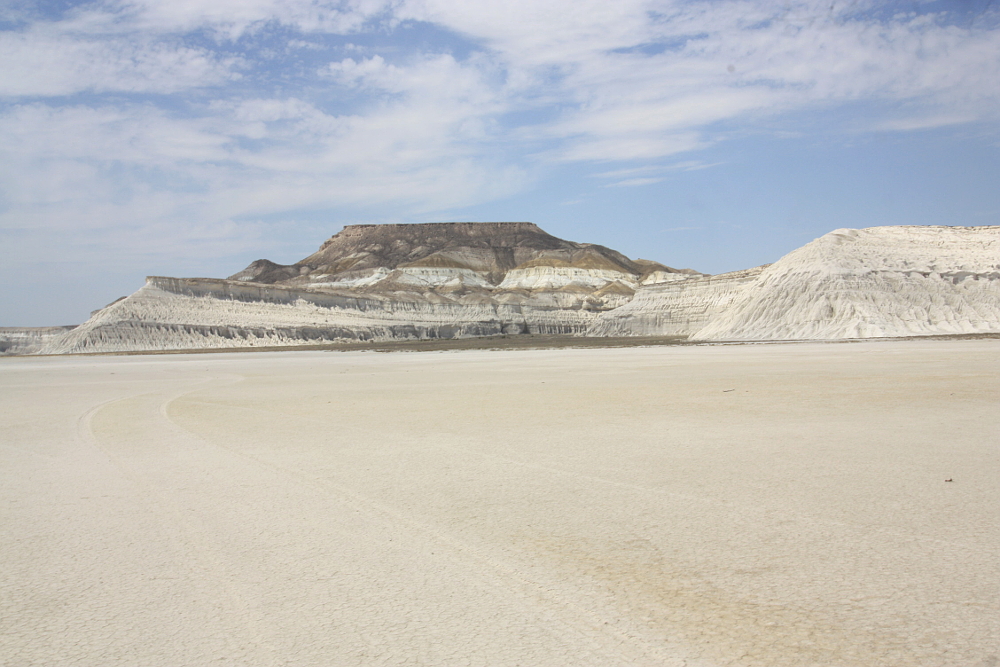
566, 620
182, 531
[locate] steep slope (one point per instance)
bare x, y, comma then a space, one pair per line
200, 313
870, 283
501, 262
380, 282
28, 340
676, 307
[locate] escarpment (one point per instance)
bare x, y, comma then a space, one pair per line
873, 283
851, 283
376, 283
439, 253
455, 280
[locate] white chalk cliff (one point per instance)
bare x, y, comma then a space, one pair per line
676, 307
376, 283
850, 283
448, 280
28, 340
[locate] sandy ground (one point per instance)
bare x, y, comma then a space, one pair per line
733, 505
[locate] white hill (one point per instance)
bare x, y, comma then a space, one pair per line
200, 313
677, 307
867, 283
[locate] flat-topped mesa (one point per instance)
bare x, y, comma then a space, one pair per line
470, 229
438, 236
380, 282
368, 253
491, 248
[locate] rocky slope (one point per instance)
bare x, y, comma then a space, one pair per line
867, 283
871, 283
196, 313
676, 308
28, 340
501, 262
381, 282
448, 280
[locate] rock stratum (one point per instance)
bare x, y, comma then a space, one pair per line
454, 280
851, 283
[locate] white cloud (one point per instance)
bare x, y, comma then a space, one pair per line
46, 61
625, 145
230, 19
923, 122
629, 86
655, 169
141, 136
649, 174
302, 44
141, 175
634, 182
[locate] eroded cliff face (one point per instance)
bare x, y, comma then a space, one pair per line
449, 255
676, 307
867, 283
381, 282
179, 314
872, 283
28, 340
452, 280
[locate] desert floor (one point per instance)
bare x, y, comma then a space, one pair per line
721, 505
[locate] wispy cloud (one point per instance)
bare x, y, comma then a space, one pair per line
48, 61
635, 182
923, 122
687, 165
649, 174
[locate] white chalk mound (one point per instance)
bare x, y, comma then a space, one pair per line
28, 340
202, 313
676, 307
867, 283
871, 283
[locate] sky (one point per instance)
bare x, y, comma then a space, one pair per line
191, 137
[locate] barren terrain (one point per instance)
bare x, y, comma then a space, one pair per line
768, 505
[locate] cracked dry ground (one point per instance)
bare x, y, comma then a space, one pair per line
734, 505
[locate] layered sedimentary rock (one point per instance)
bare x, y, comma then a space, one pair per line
677, 307
871, 283
868, 283
453, 280
28, 340
491, 257
381, 282
177, 314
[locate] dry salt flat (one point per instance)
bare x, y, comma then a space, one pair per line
702, 506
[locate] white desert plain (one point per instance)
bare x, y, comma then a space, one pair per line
781, 504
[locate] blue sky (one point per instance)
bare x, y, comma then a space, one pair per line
141, 137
